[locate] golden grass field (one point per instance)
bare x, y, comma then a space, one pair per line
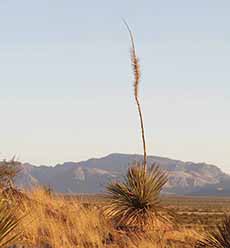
70, 222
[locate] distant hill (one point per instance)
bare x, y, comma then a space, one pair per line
92, 175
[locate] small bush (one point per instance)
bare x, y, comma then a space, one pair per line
8, 225
135, 202
218, 238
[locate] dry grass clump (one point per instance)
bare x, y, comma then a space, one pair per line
54, 221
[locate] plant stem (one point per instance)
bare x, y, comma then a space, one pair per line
136, 70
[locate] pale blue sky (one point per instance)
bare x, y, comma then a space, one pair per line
66, 80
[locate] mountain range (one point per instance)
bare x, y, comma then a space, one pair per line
92, 175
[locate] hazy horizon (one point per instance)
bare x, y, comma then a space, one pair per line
66, 80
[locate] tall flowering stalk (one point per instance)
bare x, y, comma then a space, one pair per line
137, 77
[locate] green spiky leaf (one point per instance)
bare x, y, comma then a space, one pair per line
218, 238
135, 201
8, 225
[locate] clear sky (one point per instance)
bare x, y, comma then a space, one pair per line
66, 80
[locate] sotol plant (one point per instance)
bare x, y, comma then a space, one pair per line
8, 225
8, 220
217, 238
135, 201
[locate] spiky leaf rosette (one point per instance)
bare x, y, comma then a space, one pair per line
218, 238
8, 225
135, 201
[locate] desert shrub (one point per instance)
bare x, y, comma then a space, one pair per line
135, 201
8, 225
8, 171
217, 238
48, 190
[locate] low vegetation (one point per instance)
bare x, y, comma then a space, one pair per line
135, 202
133, 215
217, 238
8, 224
57, 221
